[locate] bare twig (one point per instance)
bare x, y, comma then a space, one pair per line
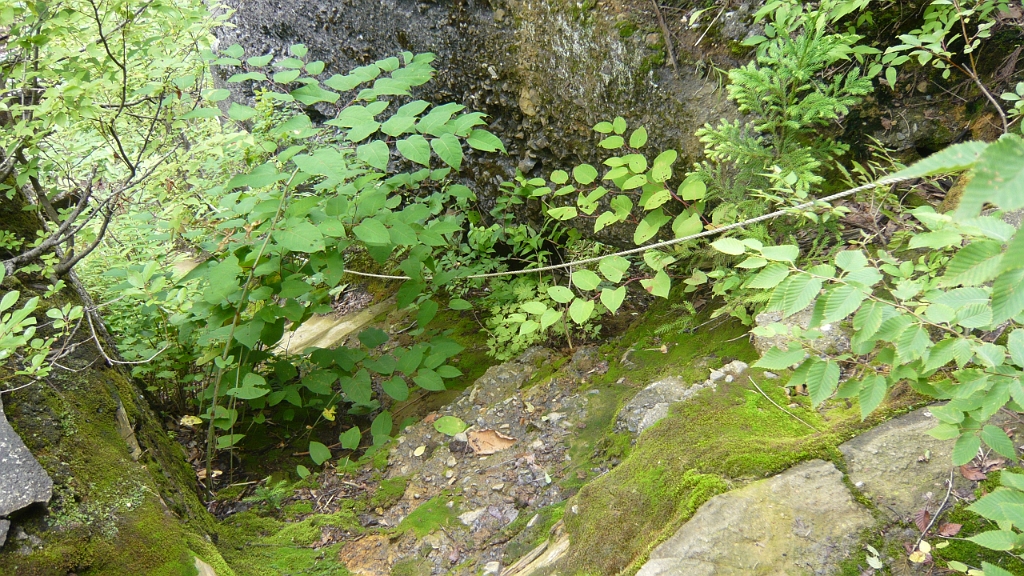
935, 517
668, 37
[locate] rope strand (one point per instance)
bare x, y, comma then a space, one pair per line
649, 247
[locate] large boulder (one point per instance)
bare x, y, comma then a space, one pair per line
802, 521
23, 481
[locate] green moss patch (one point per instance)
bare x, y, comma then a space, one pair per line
430, 516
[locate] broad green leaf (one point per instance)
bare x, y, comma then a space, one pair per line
560, 294
992, 570
375, 153
415, 148
426, 313
661, 169
613, 268
534, 307
319, 452
974, 265
797, 292
373, 337
995, 540
240, 112
729, 246
429, 380
783, 253
549, 318
611, 142
226, 441
822, 379
753, 262
580, 310
372, 232
1007, 295
685, 225
1015, 345
955, 158
449, 149
936, 240
450, 425
842, 301
966, 448
619, 125
584, 174
659, 286
396, 388
562, 212
300, 236
851, 260
381, 426
872, 392
585, 279
603, 128
692, 189
649, 226
612, 299
459, 304
770, 277
997, 440
776, 359
912, 343
998, 178
638, 138
350, 438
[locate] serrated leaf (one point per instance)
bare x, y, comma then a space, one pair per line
770, 276
1007, 295
300, 236
850, 260
872, 392
797, 292
996, 439
998, 178
974, 265
822, 379
372, 232
951, 159
995, 540
730, 246
776, 359
966, 448
783, 253
843, 301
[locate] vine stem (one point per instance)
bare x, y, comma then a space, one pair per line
210, 435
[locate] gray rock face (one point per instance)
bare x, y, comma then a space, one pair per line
651, 404
5, 525
22, 480
833, 340
802, 521
888, 463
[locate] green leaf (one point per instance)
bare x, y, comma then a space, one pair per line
549, 318
585, 279
449, 149
375, 153
783, 253
659, 286
562, 212
685, 225
534, 307
776, 359
426, 313
1015, 345
797, 292
692, 189
729, 246
603, 128
912, 343
396, 388
228, 440
661, 169
373, 337
619, 125
584, 174
381, 427
649, 226
638, 138
613, 268
580, 310
302, 471
995, 540
872, 392
485, 141
998, 178
240, 112
560, 294
319, 453
300, 236
955, 158
372, 232
429, 380
1007, 295
415, 148
966, 448
612, 299
936, 240
822, 379
459, 304
450, 425
997, 440
974, 265
770, 277
611, 142
851, 260
993, 570
350, 438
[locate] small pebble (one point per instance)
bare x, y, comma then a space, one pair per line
498, 487
771, 375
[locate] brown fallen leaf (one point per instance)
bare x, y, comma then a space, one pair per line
484, 442
921, 519
949, 529
973, 474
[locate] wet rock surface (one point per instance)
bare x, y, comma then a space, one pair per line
899, 466
23, 481
799, 522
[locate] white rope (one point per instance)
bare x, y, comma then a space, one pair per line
704, 234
